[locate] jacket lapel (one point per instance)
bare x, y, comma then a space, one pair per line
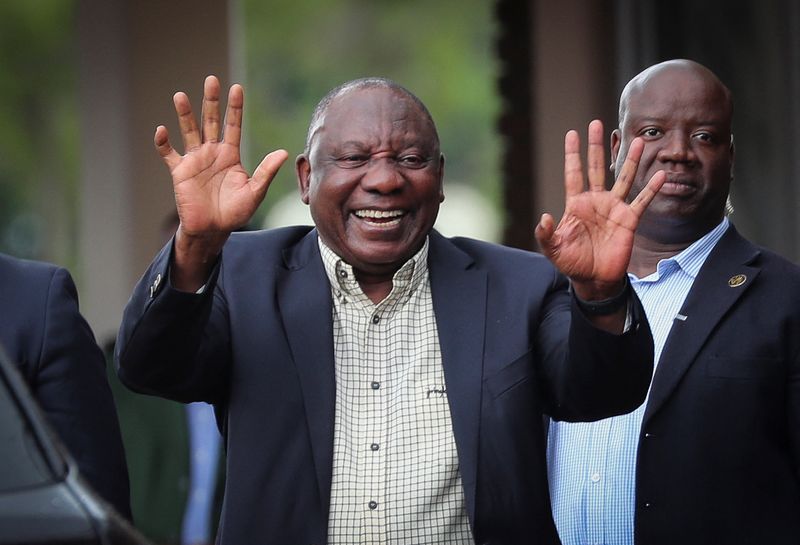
459, 303
724, 278
304, 299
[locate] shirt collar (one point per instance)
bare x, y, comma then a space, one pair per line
343, 280
691, 259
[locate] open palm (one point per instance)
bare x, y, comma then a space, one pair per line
592, 243
213, 191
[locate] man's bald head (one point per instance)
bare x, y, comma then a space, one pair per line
663, 72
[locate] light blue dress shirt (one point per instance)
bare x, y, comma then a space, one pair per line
592, 465
205, 445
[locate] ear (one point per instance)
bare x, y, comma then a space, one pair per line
441, 177
616, 141
302, 168
733, 154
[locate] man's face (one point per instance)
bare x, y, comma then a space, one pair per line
373, 178
684, 117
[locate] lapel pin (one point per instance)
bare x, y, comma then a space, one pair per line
737, 280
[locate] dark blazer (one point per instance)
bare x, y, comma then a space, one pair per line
258, 343
43, 332
719, 451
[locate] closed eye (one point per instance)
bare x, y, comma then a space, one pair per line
413, 161
352, 160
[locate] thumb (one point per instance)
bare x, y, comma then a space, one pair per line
544, 233
266, 171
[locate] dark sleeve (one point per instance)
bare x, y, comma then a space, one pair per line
601, 374
71, 387
174, 344
793, 405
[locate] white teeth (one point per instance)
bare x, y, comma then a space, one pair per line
379, 214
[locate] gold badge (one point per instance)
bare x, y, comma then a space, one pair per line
737, 280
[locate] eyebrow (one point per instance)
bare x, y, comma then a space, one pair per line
645, 119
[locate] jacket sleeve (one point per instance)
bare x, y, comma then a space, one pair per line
174, 344
793, 405
600, 374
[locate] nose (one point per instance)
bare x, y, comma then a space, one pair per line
676, 148
382, 176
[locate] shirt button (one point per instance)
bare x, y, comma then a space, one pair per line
595, 477
376, 319
343, 273
374, 446
375, 385
373, 505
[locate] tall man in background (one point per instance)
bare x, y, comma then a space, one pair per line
714, 454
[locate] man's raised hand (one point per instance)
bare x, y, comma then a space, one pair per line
214, 194
592, 243
213, 191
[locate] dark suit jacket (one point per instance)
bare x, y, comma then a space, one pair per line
719, 451
43, 332
259, 344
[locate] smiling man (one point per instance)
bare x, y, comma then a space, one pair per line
714, 454
375, 381
372, 173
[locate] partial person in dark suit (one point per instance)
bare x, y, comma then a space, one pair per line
378, 382
43, 332
714, 454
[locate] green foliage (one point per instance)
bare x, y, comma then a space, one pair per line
442, 51
38, 127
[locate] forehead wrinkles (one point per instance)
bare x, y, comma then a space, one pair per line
376, 117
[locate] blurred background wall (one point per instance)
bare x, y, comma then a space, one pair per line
84, 83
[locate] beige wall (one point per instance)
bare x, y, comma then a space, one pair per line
573, 83
133, 57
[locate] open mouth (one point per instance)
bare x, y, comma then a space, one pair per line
383, 218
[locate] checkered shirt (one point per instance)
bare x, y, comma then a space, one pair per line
396, 478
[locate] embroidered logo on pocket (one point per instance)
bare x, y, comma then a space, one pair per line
436, 391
